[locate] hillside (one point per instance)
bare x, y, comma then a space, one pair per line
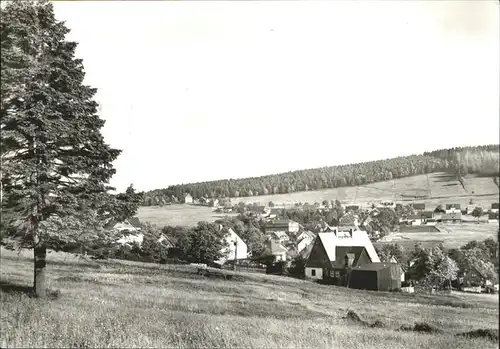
483, 160
432, 189
127, 304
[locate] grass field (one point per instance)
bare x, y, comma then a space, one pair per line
435, 188
127, 304
185, 215
439, 188
451, 235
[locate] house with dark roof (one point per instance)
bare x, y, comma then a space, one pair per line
352, 208
376, 277
334, 253
454, 217
494, 207
279, 235
453, 208
418, 206
286, 225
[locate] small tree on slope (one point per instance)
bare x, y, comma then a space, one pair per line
55, 163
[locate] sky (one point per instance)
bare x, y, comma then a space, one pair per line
200, 90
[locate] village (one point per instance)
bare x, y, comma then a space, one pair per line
341, 255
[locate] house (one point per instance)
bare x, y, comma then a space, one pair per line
403, 269
131, 238
470, 209
334, 252
386, 204
493, 217
131, 224
237, 248
494, 207
376, 277
455, 217
285, 225
213, 202
278, 251
188, 199
419, 207
453, 208
416, 219
354, 208
280, 236
165, 241
304, 239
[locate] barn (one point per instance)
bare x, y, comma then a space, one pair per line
376, 277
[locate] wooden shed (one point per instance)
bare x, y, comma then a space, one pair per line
376, 277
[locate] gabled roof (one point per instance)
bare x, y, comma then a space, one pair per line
352, 252
281, 221
456, 215
135, 222
280, 234
307, 233
277, 247
374, 266
359, 239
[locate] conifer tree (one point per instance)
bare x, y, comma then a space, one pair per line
55, 162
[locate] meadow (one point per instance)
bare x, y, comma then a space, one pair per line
179, 214
432, 189
127, 304
452, 235
436, 188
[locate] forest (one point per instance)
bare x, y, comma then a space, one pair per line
481, 160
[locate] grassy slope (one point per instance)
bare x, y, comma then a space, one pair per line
437, 187
111, 304
185, 215
451, 235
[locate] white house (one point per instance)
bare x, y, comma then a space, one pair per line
131, 224
130, 239
394, 260
188, 199
278, 251
304, 239
453, 208
237, 248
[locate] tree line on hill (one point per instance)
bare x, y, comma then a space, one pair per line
461, 161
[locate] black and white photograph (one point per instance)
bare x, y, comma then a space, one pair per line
250, 174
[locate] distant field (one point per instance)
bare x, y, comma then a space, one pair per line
115, 304
451, 235
185, 215
435, 189
438, 188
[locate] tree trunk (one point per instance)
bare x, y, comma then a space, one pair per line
40, 253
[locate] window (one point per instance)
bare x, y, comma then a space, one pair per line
337, 274
313, 272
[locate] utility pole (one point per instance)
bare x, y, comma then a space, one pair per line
235, 253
